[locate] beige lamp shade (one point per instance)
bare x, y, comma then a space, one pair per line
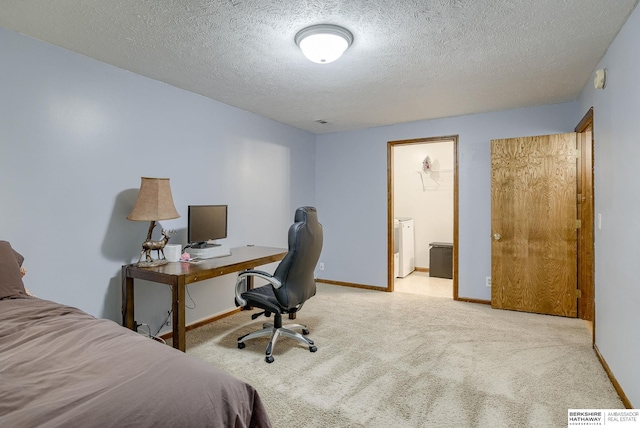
154, 201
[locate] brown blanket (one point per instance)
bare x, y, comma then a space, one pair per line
60, 367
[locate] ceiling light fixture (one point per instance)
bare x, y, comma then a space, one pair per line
323, 43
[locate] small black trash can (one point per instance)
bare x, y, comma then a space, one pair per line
441, 260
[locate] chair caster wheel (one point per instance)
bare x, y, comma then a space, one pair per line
312, 349
269, 359
305, 331
241, 345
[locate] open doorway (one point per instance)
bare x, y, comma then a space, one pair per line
426, 172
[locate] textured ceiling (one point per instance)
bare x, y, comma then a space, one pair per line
410, 59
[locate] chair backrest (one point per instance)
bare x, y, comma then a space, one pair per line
296, 270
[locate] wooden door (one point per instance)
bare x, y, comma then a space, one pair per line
533, 222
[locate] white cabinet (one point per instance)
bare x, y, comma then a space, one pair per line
406, 247
396, 248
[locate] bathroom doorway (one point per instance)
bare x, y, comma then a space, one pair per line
422, 192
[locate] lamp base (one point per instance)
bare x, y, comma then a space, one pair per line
151, 263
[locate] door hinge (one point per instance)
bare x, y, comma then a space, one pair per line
578, 224
578, 294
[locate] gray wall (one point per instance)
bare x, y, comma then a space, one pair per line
76, 135
617, 200
351, 190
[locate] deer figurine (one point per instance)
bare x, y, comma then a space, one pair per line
150, 245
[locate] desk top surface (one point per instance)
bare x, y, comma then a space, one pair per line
241, 258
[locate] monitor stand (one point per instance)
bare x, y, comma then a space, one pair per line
200, 245
209, 251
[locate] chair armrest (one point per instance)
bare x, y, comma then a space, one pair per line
242, 278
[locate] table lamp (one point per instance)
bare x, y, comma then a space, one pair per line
154, 203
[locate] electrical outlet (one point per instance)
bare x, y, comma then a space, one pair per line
488, 281
321, 266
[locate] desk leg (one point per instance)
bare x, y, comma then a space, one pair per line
178, 326
249, 281
127, 300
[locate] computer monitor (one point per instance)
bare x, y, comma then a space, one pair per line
206, 223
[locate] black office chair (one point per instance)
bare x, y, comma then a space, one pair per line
289, 287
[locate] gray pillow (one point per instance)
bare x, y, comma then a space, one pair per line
10, 278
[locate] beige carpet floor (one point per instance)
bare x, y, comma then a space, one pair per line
406, 360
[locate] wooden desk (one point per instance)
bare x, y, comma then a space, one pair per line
178, 274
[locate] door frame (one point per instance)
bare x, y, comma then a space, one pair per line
586, 233
390, 207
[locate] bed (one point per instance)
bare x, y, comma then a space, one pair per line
61, 367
